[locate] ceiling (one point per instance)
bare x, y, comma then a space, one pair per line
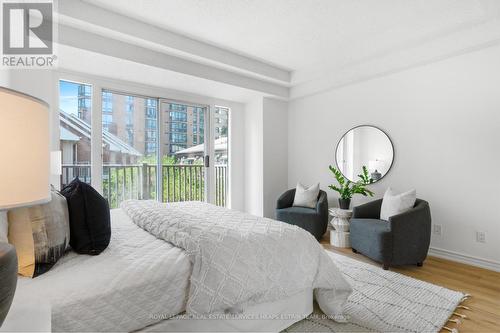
284, 49
307, 36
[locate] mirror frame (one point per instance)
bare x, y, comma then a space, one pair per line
373, 126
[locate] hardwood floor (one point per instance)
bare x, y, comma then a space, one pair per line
482, 284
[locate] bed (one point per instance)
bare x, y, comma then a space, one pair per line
142, 282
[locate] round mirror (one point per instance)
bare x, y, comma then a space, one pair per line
364, 146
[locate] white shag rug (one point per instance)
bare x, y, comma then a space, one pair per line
385, 301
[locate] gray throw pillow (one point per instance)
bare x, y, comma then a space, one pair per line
395, 204
306, 196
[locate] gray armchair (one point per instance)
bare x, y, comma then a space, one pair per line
314, 220
403, 240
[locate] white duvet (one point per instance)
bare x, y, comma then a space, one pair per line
137, 281
241, 259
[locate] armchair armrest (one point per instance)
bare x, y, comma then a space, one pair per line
369, 210
417, 219
411, 233
286, 199
322, 204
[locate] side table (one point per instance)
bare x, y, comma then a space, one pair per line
340, 237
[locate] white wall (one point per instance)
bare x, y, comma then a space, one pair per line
444, 121
265, 154
275, 154
254, 182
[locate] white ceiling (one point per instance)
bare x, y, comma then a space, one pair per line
310, 36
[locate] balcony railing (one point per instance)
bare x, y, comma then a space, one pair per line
138, 181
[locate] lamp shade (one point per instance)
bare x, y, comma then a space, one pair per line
24, 150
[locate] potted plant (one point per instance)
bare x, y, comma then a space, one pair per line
348, 188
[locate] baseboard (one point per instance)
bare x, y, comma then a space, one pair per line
465, 259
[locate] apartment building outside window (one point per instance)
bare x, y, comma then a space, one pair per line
107, 111
84, 102
150, 136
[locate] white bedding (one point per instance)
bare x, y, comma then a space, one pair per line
240, 259
137, 281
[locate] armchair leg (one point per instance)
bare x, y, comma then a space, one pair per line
385, 266
420, 264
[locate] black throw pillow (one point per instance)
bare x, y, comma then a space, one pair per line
89, 218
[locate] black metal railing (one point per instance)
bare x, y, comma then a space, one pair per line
138, 181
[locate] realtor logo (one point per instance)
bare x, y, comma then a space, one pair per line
28, 29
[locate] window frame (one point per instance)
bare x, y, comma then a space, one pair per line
100, 83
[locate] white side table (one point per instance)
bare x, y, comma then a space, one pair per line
340, 237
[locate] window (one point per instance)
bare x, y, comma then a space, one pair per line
178, 127
178, 107
151, 108
221, 155
178, 116
221, 120
107, 120
151, 124
178, 138
130, 135
75, 129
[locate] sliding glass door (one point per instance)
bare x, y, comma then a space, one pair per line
183, 150
221, 154
129, 146
150, 147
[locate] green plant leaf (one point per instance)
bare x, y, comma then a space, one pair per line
347, 188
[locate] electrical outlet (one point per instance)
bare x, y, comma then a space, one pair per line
480, 237
436, 229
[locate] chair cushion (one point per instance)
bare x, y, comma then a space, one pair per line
373, 238
298, 210
305, 218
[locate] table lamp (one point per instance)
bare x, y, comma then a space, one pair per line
24, 172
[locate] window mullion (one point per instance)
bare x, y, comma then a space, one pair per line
96, 138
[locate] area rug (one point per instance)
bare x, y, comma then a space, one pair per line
385, 301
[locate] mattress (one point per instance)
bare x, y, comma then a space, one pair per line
137, 281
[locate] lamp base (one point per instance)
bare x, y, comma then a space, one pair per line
8, 276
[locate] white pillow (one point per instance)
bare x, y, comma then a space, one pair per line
4, 226
306, 196
394, 204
